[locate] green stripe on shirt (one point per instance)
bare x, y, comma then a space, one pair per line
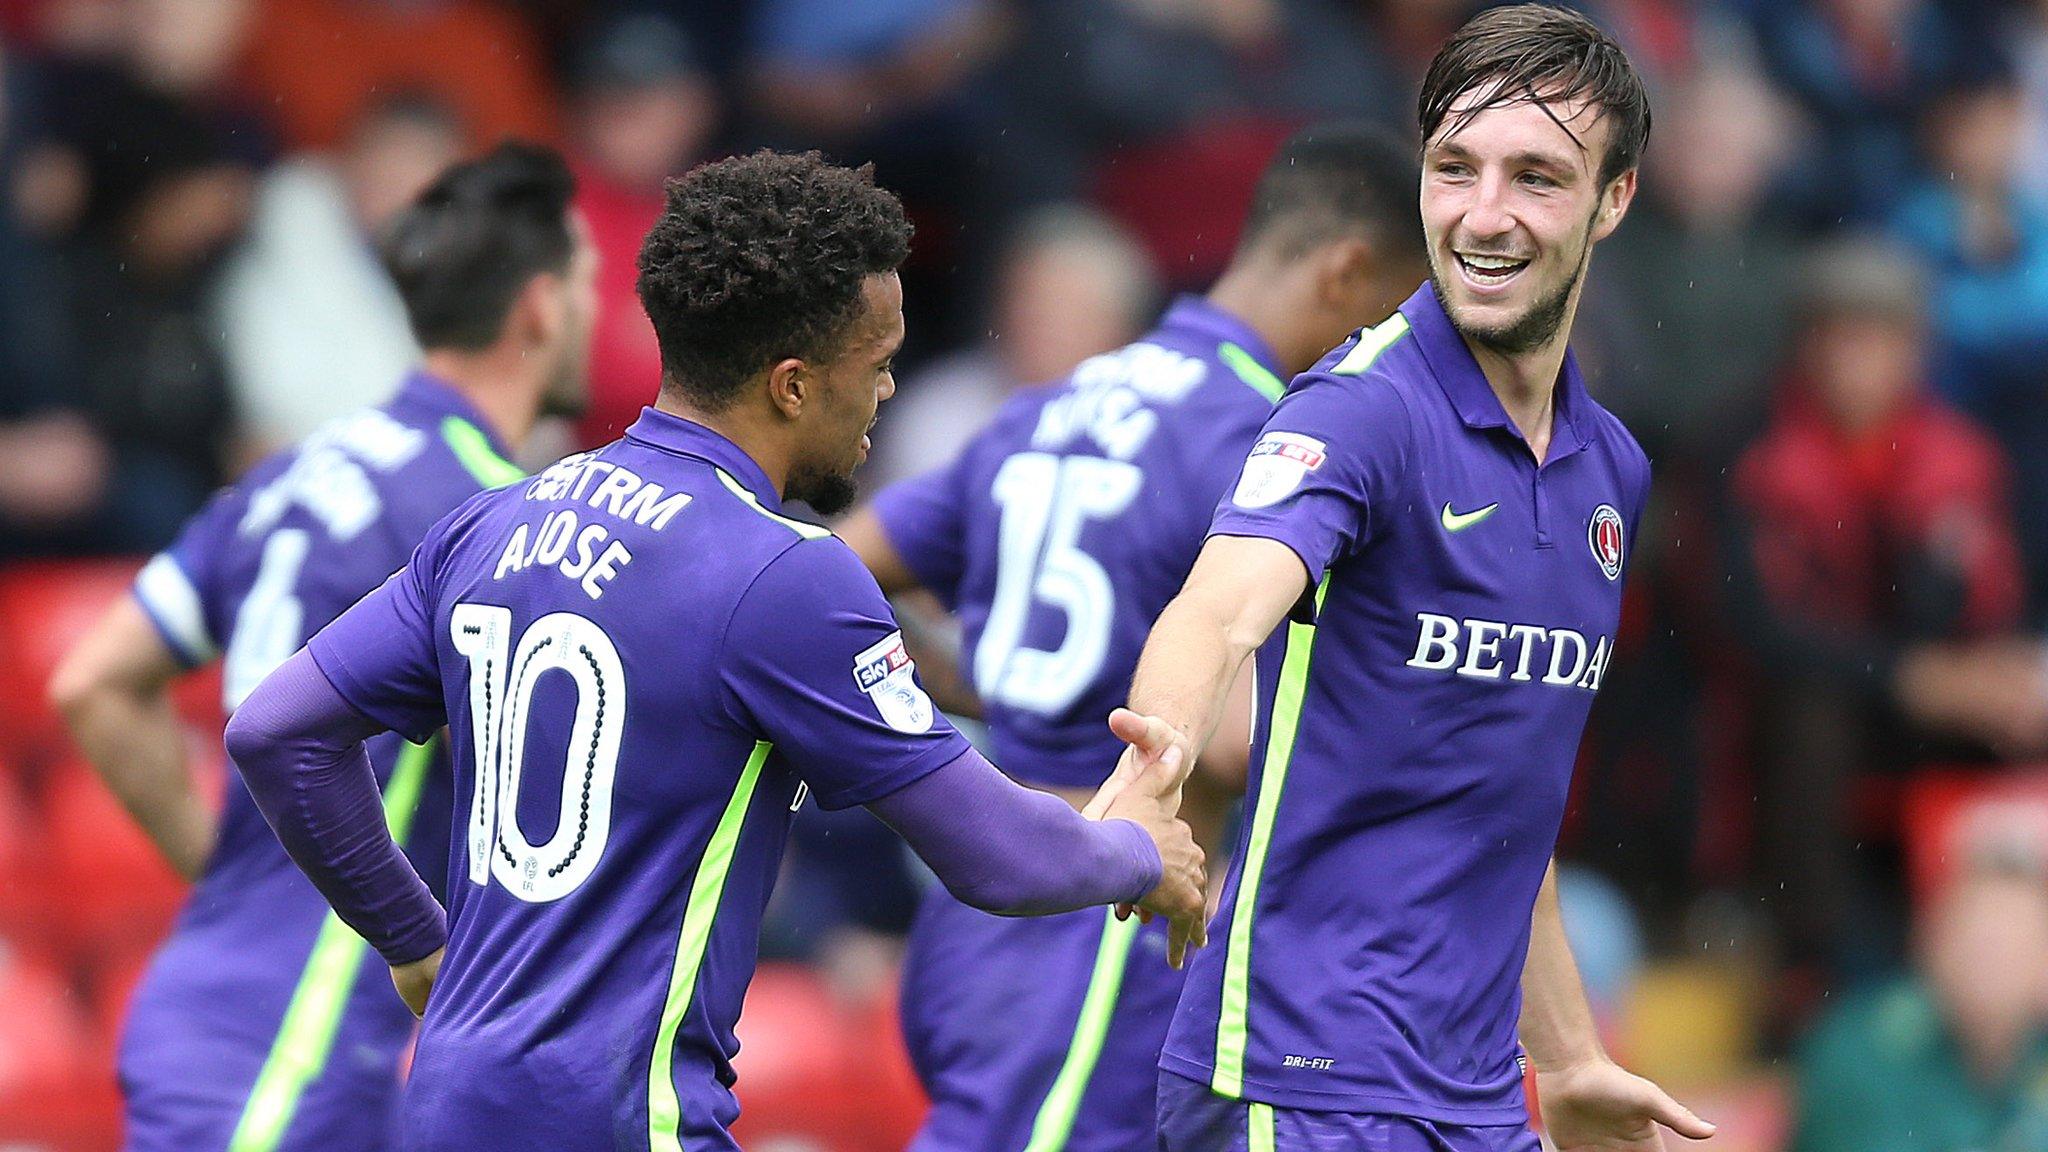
305, 1038
1055, 1120
664, 1106
1252, 372
473, 449
1232, 1030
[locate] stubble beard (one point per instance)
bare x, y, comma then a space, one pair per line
1532, 329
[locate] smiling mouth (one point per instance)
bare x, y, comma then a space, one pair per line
1489, 271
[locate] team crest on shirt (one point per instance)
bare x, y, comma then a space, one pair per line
889, 677
1278, 464
1603, 536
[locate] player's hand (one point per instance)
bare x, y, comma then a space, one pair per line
1150, 740
416, 979
1599, 1106
1151, 800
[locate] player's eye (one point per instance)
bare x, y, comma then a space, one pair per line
1538, 180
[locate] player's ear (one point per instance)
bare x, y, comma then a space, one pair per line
790, 384
1345, 272
543, 308
1614, 201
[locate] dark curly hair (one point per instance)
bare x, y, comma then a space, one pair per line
1538, 54
758, 258
466, 248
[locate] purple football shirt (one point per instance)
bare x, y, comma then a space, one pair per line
261, 1015
1062, 530
1415, 741
644, 666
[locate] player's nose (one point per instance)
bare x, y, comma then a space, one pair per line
1486, 214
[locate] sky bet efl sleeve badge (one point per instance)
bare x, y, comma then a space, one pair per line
1603, 535
889, 677
1276, 467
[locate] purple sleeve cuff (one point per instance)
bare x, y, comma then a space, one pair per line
299, 745
1007, 849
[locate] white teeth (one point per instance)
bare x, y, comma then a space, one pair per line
1491, 263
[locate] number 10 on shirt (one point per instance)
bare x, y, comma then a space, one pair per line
1046, 500
502, 680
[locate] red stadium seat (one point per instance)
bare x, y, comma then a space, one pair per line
818, 1077
115, 892
44, 609
52, 1094
24, 866
1185, 196
110, 984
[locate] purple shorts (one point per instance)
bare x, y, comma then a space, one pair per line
1039, 1033
1194, 1119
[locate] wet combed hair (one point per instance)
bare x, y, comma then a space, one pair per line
760, 258
1540, 54
473, 240
1335, 180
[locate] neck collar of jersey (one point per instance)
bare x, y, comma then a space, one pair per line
668, 432
1197, 317
427, 393
1458, 373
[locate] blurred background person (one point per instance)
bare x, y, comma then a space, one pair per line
1070, 284
311, 251
1985, 237
142, 165
1860, 69
1954, 1055
641, 109
1875, 577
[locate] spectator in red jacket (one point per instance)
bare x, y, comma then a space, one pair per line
642, 110
1876, 577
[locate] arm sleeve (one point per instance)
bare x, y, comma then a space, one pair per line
924, 520
176, 587
380, 653
1333, 447
1006, 849
299, 745
814, 662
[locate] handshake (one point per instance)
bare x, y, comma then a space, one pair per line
1146, 790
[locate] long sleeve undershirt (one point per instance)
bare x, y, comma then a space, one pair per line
995, 845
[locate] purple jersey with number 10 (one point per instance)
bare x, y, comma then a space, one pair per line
641, 663
1057, 537
264, 1023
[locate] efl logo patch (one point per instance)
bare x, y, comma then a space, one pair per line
889, 677
1603, 536
1276, 467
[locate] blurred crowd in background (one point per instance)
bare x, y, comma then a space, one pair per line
1826, 319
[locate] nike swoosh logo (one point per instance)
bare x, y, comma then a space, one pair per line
1459, 521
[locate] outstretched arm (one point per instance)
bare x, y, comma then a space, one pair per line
1588, 1101
1015, 851
113, 691
1239, 591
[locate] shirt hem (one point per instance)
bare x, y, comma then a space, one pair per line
1477, 1116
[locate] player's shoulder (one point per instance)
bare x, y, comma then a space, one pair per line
1372, 377
1607, 430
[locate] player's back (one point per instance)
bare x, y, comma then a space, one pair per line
603, 636
266, 564
1063, 530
